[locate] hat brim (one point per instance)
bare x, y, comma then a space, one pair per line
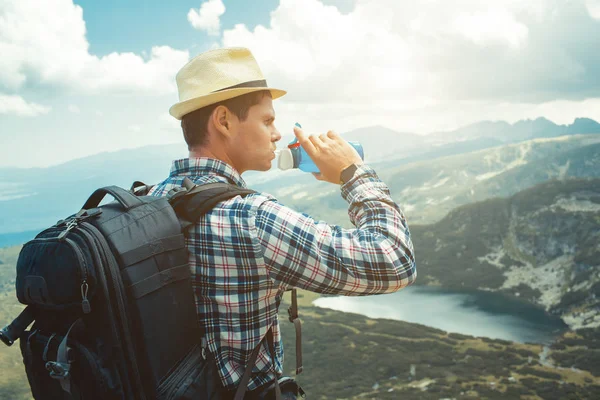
180, 109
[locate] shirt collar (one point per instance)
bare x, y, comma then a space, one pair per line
206, 166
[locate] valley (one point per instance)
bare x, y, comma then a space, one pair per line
514, 212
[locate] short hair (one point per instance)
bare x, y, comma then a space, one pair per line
195, 124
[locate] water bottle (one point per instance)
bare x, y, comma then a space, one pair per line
296, 157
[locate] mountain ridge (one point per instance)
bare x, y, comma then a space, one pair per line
522, 130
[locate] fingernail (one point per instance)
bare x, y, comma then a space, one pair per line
298, 125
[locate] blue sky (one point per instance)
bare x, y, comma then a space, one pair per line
78, 77
139, 25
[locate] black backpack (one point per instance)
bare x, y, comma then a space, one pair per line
109, 289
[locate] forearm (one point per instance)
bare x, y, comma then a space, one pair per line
376, 257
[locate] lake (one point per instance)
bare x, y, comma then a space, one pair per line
476, 313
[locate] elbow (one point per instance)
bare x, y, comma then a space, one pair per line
404, 269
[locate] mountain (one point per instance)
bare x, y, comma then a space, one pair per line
48, 194
540, 245
582, 125
36, 197
33, 198
519, 131
429, 188
380, 143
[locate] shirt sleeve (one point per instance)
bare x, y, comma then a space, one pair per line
375, 257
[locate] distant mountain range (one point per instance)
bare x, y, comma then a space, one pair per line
519, 131
494, 245
431, 186
31, 198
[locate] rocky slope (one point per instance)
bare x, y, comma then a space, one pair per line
540, 244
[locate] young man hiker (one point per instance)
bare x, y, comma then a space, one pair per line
247, 251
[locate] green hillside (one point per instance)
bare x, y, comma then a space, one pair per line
13, 382
348, 356
541, 245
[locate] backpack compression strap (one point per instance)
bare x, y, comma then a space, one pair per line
293, 317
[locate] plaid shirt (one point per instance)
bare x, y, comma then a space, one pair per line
247, 251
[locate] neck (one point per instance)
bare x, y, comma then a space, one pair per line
209, 153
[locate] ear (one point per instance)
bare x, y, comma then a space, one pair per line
221, 119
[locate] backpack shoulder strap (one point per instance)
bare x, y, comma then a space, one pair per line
139, 188
195, 200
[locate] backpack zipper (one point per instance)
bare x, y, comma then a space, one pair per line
85, 303
82, 265
116, 337
114, 272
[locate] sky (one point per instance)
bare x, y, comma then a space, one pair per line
79, 77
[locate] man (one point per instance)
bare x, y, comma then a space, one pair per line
248, 250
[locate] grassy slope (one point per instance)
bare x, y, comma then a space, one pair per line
346, 355
13, 382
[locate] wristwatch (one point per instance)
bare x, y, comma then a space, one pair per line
347, 174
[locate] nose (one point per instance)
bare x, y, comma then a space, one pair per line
276, 135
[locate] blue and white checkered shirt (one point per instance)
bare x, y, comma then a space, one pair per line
246, 252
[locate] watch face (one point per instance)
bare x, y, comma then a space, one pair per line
348, 173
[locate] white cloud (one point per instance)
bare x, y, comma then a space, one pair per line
493, 25
428, 52
134, 128
73, 109
317, 52
45, 43
593, 7
16, 105
167, 122
207, 17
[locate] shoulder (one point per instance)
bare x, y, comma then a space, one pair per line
255, 200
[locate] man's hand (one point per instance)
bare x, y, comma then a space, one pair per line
330, 153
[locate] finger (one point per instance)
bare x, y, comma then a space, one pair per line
304, 140
316, 141
332, 135
323, 138
318, 176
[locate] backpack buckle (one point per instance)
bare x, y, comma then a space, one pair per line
58, 370
5, 337
176, 192
291, 314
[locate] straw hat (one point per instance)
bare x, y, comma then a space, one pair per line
218, 75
